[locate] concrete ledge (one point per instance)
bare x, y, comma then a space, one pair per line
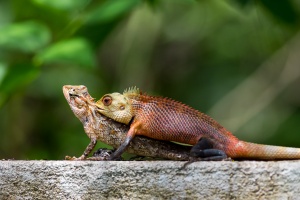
149, 179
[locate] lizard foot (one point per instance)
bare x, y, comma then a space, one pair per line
98, 158
210, 154
205, 149
103, 154
207, 155
75, 158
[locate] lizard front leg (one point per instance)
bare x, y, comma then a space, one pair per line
130, 135
86, 152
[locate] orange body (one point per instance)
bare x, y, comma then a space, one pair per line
166, 119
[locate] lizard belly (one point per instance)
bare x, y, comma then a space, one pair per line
176, 136
170, 128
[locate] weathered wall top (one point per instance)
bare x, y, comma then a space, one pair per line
149, 179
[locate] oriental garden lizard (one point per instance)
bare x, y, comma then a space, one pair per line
101, 128
168, 120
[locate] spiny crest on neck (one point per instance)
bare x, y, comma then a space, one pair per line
132, 91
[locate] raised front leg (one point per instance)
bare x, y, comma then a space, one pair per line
86, 152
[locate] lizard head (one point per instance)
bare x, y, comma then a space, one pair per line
115, 106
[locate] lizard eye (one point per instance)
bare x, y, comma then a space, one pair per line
107, 100
122, 107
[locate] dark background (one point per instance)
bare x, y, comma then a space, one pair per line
236, 60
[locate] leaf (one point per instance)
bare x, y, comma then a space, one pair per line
62, 4
27, 36
76, 51
111, 10
3, 70
16, 77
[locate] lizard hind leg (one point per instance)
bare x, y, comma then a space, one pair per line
204, 149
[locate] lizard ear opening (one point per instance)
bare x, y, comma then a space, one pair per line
107, 100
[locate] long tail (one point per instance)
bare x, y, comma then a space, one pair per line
263, 152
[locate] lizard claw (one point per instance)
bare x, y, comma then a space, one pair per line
74, 158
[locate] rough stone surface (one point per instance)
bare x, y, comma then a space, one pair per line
149, 180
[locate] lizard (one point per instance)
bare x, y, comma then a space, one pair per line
169, 120
101, 128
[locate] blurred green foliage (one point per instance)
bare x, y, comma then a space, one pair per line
211, 55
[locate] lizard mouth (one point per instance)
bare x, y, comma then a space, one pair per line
99, 108
73, 95
77, 92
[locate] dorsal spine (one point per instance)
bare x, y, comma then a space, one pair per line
132, 91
